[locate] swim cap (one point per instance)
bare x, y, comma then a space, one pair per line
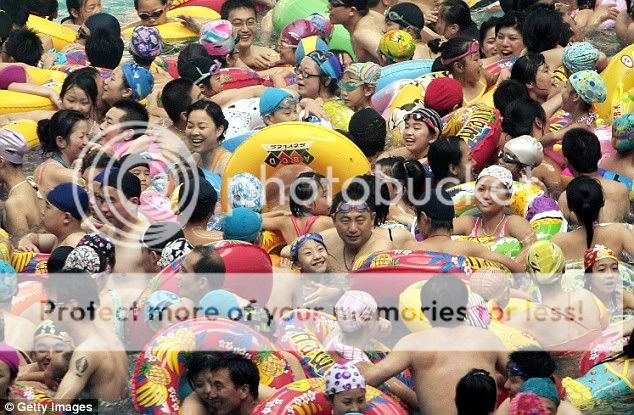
323, 25
126, 182
245, 190
139, 79
224, 302
477, 312
242, 224
69, 198
368, 73
623, 133
132, 160
47, 329
545, 261
12, 146
597, 253
527, 403
328, 63
8, 281
146, 42
157, 302
443, 94
355, 310
159, 234
308, 45
84, 258
217, 38
499, 173
589, 85
10, 356
406, 15
526, 149
174, 250
430, 117
397, 44
342, 378
580, 56
299, 242
542, 387
294, 32
490, 283
271, 98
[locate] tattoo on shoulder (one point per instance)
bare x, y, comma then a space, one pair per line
81, 365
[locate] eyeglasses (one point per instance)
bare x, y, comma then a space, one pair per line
349, 85
508, 158
153, 15
396, 18
304, 74
349, 207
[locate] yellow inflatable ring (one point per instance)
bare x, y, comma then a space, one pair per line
175, 32
12, 102
296, 143
28, 130
618, 78
5, 246
59, 34
44, 76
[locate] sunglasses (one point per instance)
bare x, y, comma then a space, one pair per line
349, 207
508, 158
349, 85
153, 15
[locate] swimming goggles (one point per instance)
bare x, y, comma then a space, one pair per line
349, 207
473, 48
392, 16
508, 158
513, 370
348, 85
287, 103
214, 69
152, 15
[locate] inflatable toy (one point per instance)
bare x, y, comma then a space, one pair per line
192, 10
12, 102
29, 394
29, 262
528, 201
624, 105
210, 4
45, 76
243, 117
59, 34
174, 32
496, 67
28, 129
403, 70
104, 73
601, 349
627, 181
159, 369
5, 246
296, 144
29, 293
619, 78
508, 246
231, 144
307, 397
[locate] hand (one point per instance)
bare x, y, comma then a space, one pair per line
322, 295
535, 181
26, 245
313, 107
48, 60
55, 99
431, 16
263, 60
384, 327
603, 13
190, 22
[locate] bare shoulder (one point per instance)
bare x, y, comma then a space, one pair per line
193, 406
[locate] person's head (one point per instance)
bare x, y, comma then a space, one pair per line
66, 206
405, 16
345, 389
125, 120
309, 195
173, 251
422, 126
583, 89
309, 253
493, 190
154, 239
187, 54
623, 133
343, 56
492, 284
521, 154
116, 197
317, 75
357, 313
454, 16
508, 34
206, 126
199, 373
65, 133
533, 71
102, 246
444, 301
580, 56
16, 11
307, 45
545, 263
9, 366
198, 202
443, 95
292, 35
79, 92
234, 384
8, 283
526, 363
22, 46
146, 44
71, 288
245, 190
602, 270
450, 157
353, 214
585, 199
152, 12
46, 9
57, 259
278, 105
367, 130
396, 46
202, 271
104, 50
345, 11
436, 213
81, 10
243, 17
488, 39
139, 165
476, 393
546, 390
13, 147
100, 21
524, 116
542, 28
177, 96
128, 81
217, 38
508, 91
203, 72
48, 341
242, 224
358, 84
461, 56
582, 151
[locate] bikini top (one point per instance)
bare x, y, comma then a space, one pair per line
501, 234
306, 229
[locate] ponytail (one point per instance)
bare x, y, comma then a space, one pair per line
585, 199
587, 218
61, 124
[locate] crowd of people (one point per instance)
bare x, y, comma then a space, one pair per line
129, 195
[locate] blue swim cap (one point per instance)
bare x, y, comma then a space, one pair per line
139, 79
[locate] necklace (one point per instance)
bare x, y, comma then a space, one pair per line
487, 234
345, 261
16, 186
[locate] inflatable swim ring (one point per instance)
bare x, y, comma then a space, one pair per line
45, 76
12, 102
5, 246
602, 382
34, 396
28, 129
30, 262
624, 105
296, 143
159, 369
601, 349
403, 70
29, 293
496, 67
59, 34
243, 117
307, 397
231, 144
508, 246
174, 32
619, 78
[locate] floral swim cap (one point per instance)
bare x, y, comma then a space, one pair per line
146, 42
589, 85
217, 38
623, 133
397, 44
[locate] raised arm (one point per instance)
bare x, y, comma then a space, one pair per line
80, 369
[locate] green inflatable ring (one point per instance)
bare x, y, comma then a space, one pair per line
287, 11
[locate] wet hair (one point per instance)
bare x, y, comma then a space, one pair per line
176, 98
43, 8
304, 187
542, 28
457, 12
582, 150
104, 50
367, 129
484, 28
518, 5
411, 175
24, 46
133, 112
189, 52
454, 47
136, 3
210, 262
74, 5
83, 80
386, 164
362, 189
57, 259
525, 67
508, 91
61, 124
443, 292
98, 160
214, 112
199, 361
533, 362
476, 393
520, 115
242, 371
585, 199
514, 19
231, 5
17, 11
443, 153
203, 199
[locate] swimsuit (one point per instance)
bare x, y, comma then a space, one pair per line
476, 228
306, 229
601, 382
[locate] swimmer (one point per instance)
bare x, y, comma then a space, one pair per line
199, 204
127, 81
603, 279
176, 97
408, 17
443, 95
532, 70
17, 330
358, 85
622, 162
80, 10
454, 20
202, 272
345, 389
450, 161
520, 156
582, 56
508, 35
277, 106
206, 126
22, 46
625, 28
146, 44
9, 367
292, 36
404, 180
364, 25
154, 240
368, 130
396, 46
488, 44
243, 224
476, 393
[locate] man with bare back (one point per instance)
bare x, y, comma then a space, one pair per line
365, 26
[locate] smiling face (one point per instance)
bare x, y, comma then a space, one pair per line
491, 195
244, 25
114, 88
45, 348
417, 136
202, 133
312, 257
308, 78
88, 8
489, 46
74, 144
226, 397
349, 401
152, 12
509, 42
543, 82
354, 228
